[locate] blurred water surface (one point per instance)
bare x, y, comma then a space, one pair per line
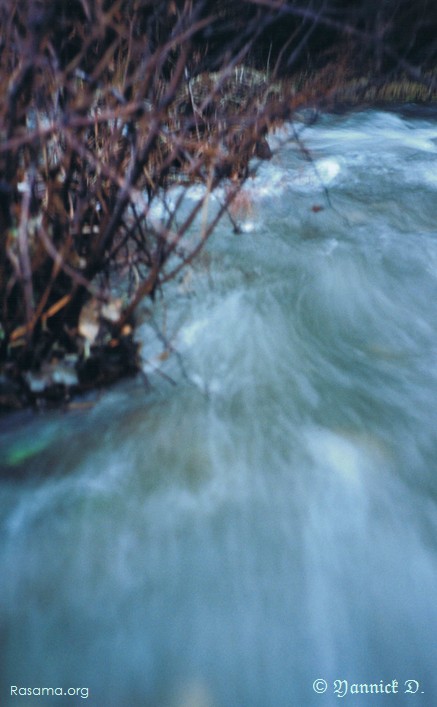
270, 519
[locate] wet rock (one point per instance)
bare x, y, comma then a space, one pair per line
11, 395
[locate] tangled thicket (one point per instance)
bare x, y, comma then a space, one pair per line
106, 104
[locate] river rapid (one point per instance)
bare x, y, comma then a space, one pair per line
264, 514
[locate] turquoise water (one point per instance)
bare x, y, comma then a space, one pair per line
264, 514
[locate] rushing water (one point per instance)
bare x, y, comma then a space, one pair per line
270, 519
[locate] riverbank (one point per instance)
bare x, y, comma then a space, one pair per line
97, 134
104, 354
264, 516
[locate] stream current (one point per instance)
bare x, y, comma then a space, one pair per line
265, 515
